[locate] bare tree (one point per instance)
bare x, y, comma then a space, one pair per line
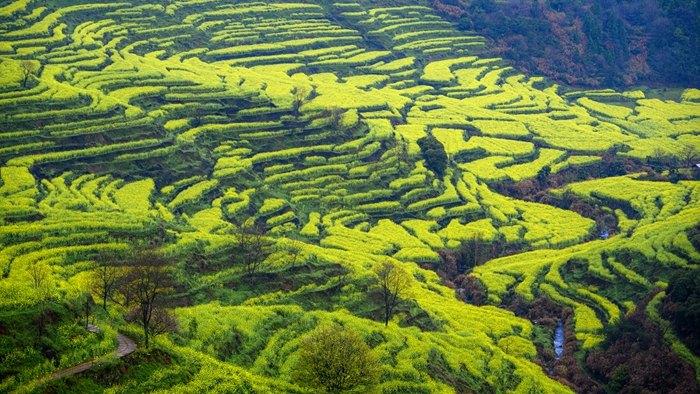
105, 278
252, 246
393, 285
161, 321
146, 285
29, 70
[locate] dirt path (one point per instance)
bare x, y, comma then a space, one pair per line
125, 347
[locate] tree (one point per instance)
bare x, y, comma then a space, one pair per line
472, 252
40, 274
145, 286
434, 154
612, 164
29, 70
105, 278
403, 159
85, 304
295, 252
335, 117
471, 289
659, 159
196, 260
543, 176
252, 246
41, 279
689, 155
682, 306
393, 284
335, 359
300, 95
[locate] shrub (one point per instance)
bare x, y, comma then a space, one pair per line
434, 154
335, 358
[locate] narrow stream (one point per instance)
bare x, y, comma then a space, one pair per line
559, 340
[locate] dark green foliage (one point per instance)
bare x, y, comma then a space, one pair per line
192, 328
617, 291
335, 116
694, 237
227, 343
593, 43
419, 317
543, 176
236, 348
140, 372
374, 339
459, 378
434, 154
470, 130
403, 159
300, 324
471, 253
542, 338
635, 358
619, 379
392, 351
42, 336
682, 307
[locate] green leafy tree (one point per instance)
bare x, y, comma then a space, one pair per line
434, 154
300, 95
42, 279
689, 155
29, 71
403, 158
334, 358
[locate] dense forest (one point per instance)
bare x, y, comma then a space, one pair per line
591, 43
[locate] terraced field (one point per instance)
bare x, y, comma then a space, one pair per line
191, 117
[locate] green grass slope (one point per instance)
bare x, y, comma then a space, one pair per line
193, 116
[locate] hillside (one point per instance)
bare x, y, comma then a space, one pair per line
598, 43
263, 162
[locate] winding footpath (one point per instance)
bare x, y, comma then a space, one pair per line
125, 347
